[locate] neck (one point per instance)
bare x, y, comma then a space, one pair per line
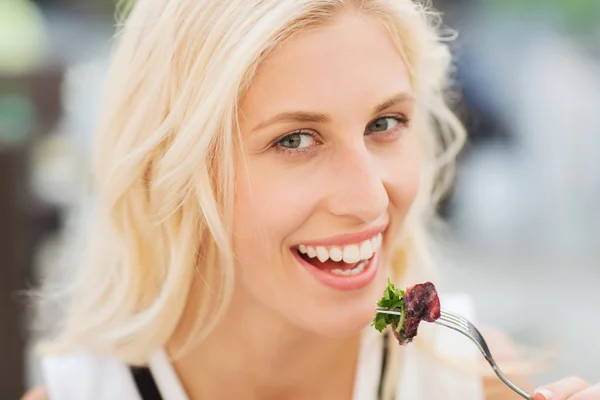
255, 354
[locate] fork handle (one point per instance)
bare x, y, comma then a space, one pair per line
507, 381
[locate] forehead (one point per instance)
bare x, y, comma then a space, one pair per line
350, 63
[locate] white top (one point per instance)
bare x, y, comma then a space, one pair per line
86, 376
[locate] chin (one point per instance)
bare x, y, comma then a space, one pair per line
342, 330
348, 317
344, 323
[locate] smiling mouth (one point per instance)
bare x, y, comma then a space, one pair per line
346, 260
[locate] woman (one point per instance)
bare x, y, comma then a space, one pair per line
294, 145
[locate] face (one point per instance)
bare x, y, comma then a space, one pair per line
327, 171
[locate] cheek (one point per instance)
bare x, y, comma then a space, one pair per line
269, 207
404, 178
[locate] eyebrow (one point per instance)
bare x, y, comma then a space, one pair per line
393, 101
295, 116
320, 118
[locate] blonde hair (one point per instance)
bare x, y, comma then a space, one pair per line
164, 166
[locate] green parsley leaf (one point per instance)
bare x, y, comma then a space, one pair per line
393, 299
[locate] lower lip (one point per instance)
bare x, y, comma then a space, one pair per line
343, 282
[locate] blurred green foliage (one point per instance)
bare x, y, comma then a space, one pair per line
574, 14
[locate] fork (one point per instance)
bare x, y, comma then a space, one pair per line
462, 325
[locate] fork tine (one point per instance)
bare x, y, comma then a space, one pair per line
446, 317
455, 322
456, 318
451, 314
466, 328
448, 324
381, 310
452, 324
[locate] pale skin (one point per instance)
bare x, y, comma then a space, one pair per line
354, 164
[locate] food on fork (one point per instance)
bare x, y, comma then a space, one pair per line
417, 303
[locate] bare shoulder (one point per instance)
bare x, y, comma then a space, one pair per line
505, 353
38, 393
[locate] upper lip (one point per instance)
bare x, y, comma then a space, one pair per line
349, 238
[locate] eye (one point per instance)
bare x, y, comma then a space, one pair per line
297, 141
385, 124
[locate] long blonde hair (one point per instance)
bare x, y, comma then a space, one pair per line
163, 163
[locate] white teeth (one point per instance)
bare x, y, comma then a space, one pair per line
376, 242
351, 254
322, 254
336, 254
366, 250
356, 270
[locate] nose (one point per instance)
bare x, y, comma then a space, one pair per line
357, 189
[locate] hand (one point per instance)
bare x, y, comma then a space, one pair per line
36, 394
572, 388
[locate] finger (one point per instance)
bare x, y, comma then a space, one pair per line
38, 393
591, 393
562, 389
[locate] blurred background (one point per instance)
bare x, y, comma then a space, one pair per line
522, 224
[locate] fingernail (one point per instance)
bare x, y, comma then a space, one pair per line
543, 394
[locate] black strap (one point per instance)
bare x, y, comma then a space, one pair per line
145, 383
384, 362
